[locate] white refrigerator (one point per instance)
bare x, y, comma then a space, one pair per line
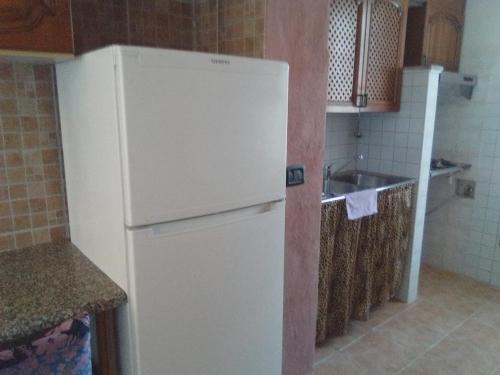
175, 172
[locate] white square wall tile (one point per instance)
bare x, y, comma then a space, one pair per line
388, 138
420, 78
376, 138
485, 264
362, 164
401, 140
417, 109
399, 168
495, 279
387, 153
389, 125
483, 275
376, 124
363, 149
375, 152
492, 215
407, 79
403, 125
416, 125
496, 267
412, 170
491, 227
406, 95
419, 94
415, 140
386, 167
400, 154
413, 155
373, 165
488, 240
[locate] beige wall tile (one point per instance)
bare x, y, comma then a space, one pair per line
31, 184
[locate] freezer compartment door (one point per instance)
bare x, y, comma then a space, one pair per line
200, 133
206, 294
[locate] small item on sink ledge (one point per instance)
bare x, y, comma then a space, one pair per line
361, 204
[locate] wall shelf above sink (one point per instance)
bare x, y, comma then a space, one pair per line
441, 167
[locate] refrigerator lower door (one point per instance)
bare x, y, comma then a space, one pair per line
206, 294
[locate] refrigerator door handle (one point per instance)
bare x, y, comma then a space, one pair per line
210, 221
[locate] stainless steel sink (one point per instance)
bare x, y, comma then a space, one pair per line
368, 179
352, 181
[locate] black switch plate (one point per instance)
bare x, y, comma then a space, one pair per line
295, 175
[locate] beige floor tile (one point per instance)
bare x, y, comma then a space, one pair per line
489, 314
462, 306
452, 358
380, 353
453, 329
413, 335
424, 367
344, 364
475, 333
435, 316
356, 330
473, 349
427, 366
323, 352
382, 314
426, 290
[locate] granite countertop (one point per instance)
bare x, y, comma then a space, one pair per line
41, 286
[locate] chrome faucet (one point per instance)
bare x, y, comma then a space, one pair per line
327, 169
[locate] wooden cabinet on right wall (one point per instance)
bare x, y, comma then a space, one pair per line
434, 33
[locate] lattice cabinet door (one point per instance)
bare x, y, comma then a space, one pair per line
383, 54
341, 52
366, 52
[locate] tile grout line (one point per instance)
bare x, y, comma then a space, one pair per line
370, 330
459, 325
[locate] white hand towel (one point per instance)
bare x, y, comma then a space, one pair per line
361, 204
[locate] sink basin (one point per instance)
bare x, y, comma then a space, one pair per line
352, 181
368, 179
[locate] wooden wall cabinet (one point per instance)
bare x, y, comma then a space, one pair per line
366, 52
36, 28
434, 34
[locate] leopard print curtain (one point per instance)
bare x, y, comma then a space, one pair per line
361, 261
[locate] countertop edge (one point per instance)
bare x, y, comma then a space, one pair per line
21, 330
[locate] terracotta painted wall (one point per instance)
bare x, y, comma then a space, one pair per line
296, 31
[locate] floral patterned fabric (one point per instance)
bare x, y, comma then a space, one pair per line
65, 350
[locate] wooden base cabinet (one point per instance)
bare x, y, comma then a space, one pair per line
434, 34
36, 28
366, 53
